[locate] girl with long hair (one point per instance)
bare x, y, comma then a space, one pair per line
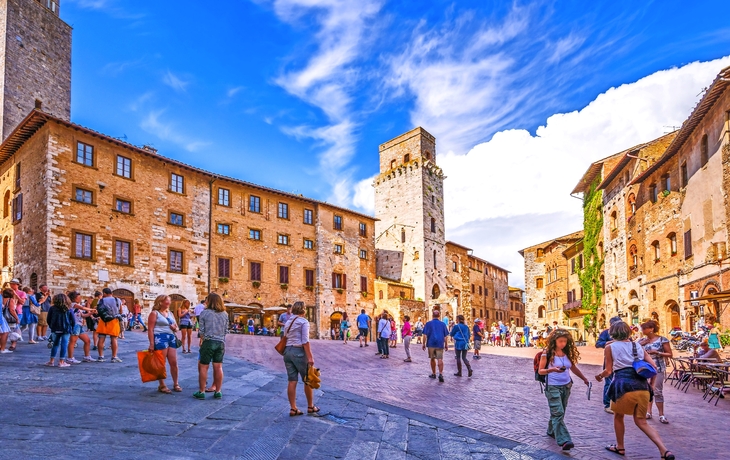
8, 320
161, 332
60, 323
80, 313
460, 333
212, 328
558, 360
186, 325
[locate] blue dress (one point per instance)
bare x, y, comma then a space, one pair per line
27, 317
4, 328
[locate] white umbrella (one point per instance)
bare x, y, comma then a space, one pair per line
274, 308
237, 305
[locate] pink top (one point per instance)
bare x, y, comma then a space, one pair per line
23, 297
406, 329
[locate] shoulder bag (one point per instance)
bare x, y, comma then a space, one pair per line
468, 345
6, 313
643, 368
34, 309
178, 342
281, 346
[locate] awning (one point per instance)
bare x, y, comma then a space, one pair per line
237, 305
723, 296
275, 309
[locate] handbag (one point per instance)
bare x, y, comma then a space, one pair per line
34, 309
7, 315
643, 368
281, 346
178, 342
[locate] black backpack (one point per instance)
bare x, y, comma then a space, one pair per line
104, 311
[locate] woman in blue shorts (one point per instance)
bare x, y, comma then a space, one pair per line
161, 332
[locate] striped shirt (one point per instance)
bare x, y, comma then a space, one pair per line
213, 325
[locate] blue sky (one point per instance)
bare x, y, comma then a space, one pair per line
297, 94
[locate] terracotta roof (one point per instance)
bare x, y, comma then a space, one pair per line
394, 282
590, 175
36, 119
628, 155
569, 236
713, 93
475, 257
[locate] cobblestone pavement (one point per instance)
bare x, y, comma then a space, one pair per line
101, 410
503, 399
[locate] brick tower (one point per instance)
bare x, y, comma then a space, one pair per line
409, 203
35, 61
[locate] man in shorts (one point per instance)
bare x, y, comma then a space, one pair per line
43, 296
363, 326
197, 311
478, 337
283, 318
108, 328
434, 334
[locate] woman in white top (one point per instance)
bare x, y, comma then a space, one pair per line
559, 359
384, 332
629, 392
297, 358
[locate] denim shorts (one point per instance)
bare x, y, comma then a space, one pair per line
295, 360
165, 341
78, 330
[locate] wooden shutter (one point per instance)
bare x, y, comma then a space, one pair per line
334, 280
688, 244
363, 283
344, 281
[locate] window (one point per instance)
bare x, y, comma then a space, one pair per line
653, 196
403, 235
308, 244
308, 216
123, 206
255, 271
177, 183
17, 176
254, 204
434, 258
254, 234
541, 312
6, 204
613, 221
572, 265
339, 249
433, 225
704, 149
363, 229
283, 274
224, 229
84, 196
224, 267
667, 182
122, 252
176, 218
473, 289
392, 164
124, 167
653, 293
309, 278
363, 254
18, 208
406, 158
364, 283
580, 264
688, 244
338, 280
380, 294
539, 283
633, 252
283, 211
685, 176
540, 253
175, 260
84, 154
455, 266
673, 243
632, 204
224, 197
83, 246
337, 222
282, 239
656, 249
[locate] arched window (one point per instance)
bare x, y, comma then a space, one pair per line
632, 204
427, 155
614, 224
653, 293
600, 249
6, 251
34, 281
6, 204
704, 149
541, 311
433, 225
435, 292
672, 237
656, 250
634, 255
403, 235
380, 294
603, 284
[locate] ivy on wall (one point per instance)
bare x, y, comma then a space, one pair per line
590, 276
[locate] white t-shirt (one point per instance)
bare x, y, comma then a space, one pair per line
384, 328
623, 355
198, 309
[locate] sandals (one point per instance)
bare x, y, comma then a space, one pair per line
668, 455
663, 419
295, 412
613, 448
177, 388
210, 390
312, 410
648, 416
164, 390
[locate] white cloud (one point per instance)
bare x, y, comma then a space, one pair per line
327, 81
233, 91
166, 130
175, 82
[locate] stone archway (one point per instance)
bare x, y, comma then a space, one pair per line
177, 301
335, 320
435, 291
126, 295
673, 320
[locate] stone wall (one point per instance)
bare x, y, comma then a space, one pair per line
534, 296
35, 62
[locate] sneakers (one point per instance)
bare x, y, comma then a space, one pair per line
94, 348
199, 395
432, 376
100, 359
116, 360
88, 359
568, 445
217, 395
471, 372
441, 378
73, 361
607, 410
367, 345
64, 365
5, 351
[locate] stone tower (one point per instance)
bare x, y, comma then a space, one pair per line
409, 205
35, 61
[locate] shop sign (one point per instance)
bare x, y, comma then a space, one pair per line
150, 284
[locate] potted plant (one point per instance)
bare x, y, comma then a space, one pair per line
256, 284
666, 192
340, 290
364, 293
222, 279
284, 286
309, 288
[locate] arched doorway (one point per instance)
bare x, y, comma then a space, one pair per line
634, 312
177, 301
125, 295
602, 322
335, 320
576, 332
541, 311
673, 320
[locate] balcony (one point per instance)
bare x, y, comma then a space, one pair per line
575, 308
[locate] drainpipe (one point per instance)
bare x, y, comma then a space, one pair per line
318, 278
210, 226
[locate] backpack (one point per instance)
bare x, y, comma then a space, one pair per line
536, 367
104, 311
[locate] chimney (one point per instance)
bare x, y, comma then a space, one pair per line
149, 148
